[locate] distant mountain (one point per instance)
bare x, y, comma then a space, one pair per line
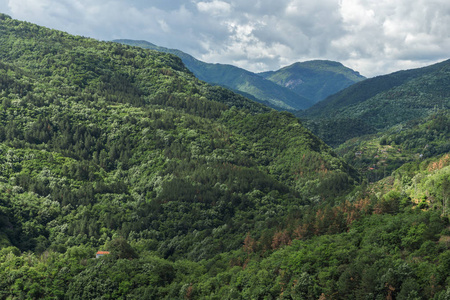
379, 103
316, 79
237, 79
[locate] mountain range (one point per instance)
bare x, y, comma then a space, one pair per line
295, 87
191, 191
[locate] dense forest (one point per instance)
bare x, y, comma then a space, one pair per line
378, 155
195, 191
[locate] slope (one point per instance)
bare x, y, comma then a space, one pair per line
235, 78
315, 79
102, 140
378, 155
381, 102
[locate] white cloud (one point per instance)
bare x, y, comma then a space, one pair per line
214, 8
386, 36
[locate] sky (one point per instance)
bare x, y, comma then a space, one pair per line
371, 37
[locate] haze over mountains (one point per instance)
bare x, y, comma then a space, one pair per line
295, 87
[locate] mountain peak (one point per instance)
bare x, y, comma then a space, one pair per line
314, 79
382, 102
319, 61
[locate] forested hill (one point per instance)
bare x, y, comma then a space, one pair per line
237, 79
316, 79
378, 103
110, 147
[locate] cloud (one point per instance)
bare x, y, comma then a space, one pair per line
214, 8
271, 35
373, 37
385, 36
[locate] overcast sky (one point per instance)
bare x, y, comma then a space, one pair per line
372, 37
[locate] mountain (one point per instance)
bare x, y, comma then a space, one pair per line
316, 79
378, 103
237, 79
104, 145
101, 128
195, 191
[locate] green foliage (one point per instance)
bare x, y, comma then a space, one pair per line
379, 155
120, 249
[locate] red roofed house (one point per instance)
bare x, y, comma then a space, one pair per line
102, 253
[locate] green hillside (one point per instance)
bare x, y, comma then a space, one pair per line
379, 103
117, 137
316, 79
103, 143
196, 192
378, 155
235, 78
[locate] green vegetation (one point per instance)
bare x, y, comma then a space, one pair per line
379, 155
316, 79
196, 191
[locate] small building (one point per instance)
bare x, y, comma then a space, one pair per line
102, 253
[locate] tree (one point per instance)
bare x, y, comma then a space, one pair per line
120, 248
445, 192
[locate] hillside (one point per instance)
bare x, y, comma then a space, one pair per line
105, 145
378, 155
315, 79
235, 78
87, 124
379, 103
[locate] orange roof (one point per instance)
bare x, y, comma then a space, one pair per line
103, 252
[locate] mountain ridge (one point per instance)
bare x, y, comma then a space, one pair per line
100, 140
195, 191
234, 78
316, 85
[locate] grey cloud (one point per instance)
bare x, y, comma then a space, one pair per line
4, 8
